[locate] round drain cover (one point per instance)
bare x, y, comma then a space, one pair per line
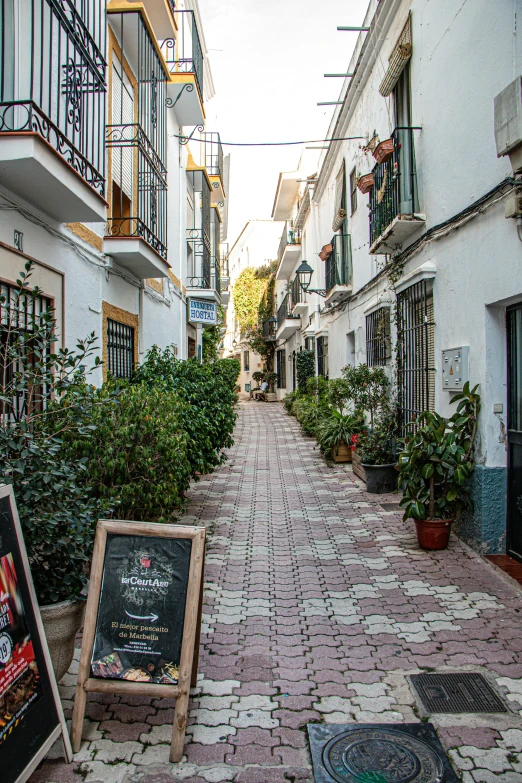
373, 755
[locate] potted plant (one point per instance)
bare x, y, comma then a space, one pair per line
384, 151
376, 450
366, 183
258, 376
58, 516
435, 466
334, 432
271, 378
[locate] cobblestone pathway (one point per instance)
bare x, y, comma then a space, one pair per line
318, 604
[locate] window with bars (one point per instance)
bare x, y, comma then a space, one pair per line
322, 356
18, 317
416, 352
281, 369
246, 361
378, 341
310, 344
120, 349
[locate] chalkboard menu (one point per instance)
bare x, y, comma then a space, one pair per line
31, 716
142, 609
143, 617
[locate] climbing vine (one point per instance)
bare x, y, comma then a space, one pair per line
253, 304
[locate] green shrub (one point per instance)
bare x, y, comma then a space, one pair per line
305, 368
137, 454
369, 387
336, 428
208, 389
317, 386
289, 400
309, 413
339, 393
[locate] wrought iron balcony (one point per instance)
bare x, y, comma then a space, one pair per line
285, 310
338, 270
215, 274
297, 296
199, 269
185, 55
212, 153
394, 197
288, 237
53, 84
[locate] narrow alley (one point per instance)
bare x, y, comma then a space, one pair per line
318, 605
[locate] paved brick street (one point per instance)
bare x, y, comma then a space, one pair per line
318, 604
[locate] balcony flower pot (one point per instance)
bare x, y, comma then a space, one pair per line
433, 534
365, 183
380, 479
384, 151
61, 622
342, 453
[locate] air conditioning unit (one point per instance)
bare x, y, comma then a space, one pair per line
508, 123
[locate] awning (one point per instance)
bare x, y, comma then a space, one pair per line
397, 62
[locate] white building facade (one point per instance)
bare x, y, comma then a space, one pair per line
100, 185
422, 273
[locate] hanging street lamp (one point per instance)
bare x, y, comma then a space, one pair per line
304, 274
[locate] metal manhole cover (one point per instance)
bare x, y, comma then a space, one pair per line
456, 693
390, 506
378, 753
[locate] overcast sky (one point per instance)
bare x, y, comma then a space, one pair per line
268, 58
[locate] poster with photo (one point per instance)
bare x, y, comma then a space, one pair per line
141, 610
19, 676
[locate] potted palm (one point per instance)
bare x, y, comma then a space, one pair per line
435, 467
334, 433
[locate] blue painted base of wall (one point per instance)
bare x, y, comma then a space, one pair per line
484, 528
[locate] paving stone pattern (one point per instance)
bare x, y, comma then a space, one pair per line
318, 605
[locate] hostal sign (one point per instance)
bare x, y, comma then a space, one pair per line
202, 311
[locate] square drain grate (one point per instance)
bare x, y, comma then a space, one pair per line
390, 506
456, 693
378, 753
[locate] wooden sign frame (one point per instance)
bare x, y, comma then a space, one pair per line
60, 730
188, 666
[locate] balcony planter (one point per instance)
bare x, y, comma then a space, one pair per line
365, 183
61, 623
342, 453
384, 151
433, 534
380, 479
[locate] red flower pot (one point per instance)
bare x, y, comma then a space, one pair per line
384, 151
365, 183
433, 533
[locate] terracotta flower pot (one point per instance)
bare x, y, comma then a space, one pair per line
433, 534
62, 622
342, 453
365, 183
384, 151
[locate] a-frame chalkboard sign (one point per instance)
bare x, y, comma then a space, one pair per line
31, 716
143, 617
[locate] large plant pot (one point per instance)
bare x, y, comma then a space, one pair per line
342, 453
433, 533
62, 622
357, 466
365, 183
384, 151
380, 479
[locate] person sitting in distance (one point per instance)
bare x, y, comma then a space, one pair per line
262, 395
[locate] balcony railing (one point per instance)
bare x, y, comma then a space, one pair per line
185, 55
212, 153
215, 274
297, 295
285, 310
269, 330
53, 80
288, 237
199, 271
225, 271
395, 185
339, 263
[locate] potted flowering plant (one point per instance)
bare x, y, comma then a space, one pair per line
435, 466
376, 450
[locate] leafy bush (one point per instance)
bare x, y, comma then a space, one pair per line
209, 417
368, 388
339, 393
438, 460
258, 376
317, 386
305, 368
377, 446
57, 511
336, 428
309, 412
289, 400
136, 454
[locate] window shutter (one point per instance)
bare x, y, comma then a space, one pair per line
397, 62
122, 114
340, 212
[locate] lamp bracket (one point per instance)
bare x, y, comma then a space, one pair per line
320, 291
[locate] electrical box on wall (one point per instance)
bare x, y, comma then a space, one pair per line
455, 368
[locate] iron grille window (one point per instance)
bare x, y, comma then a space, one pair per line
120, 349
378, 342
18, 316
309, 343
353, 190
281, 369
322, 356
416, 352
246, 361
